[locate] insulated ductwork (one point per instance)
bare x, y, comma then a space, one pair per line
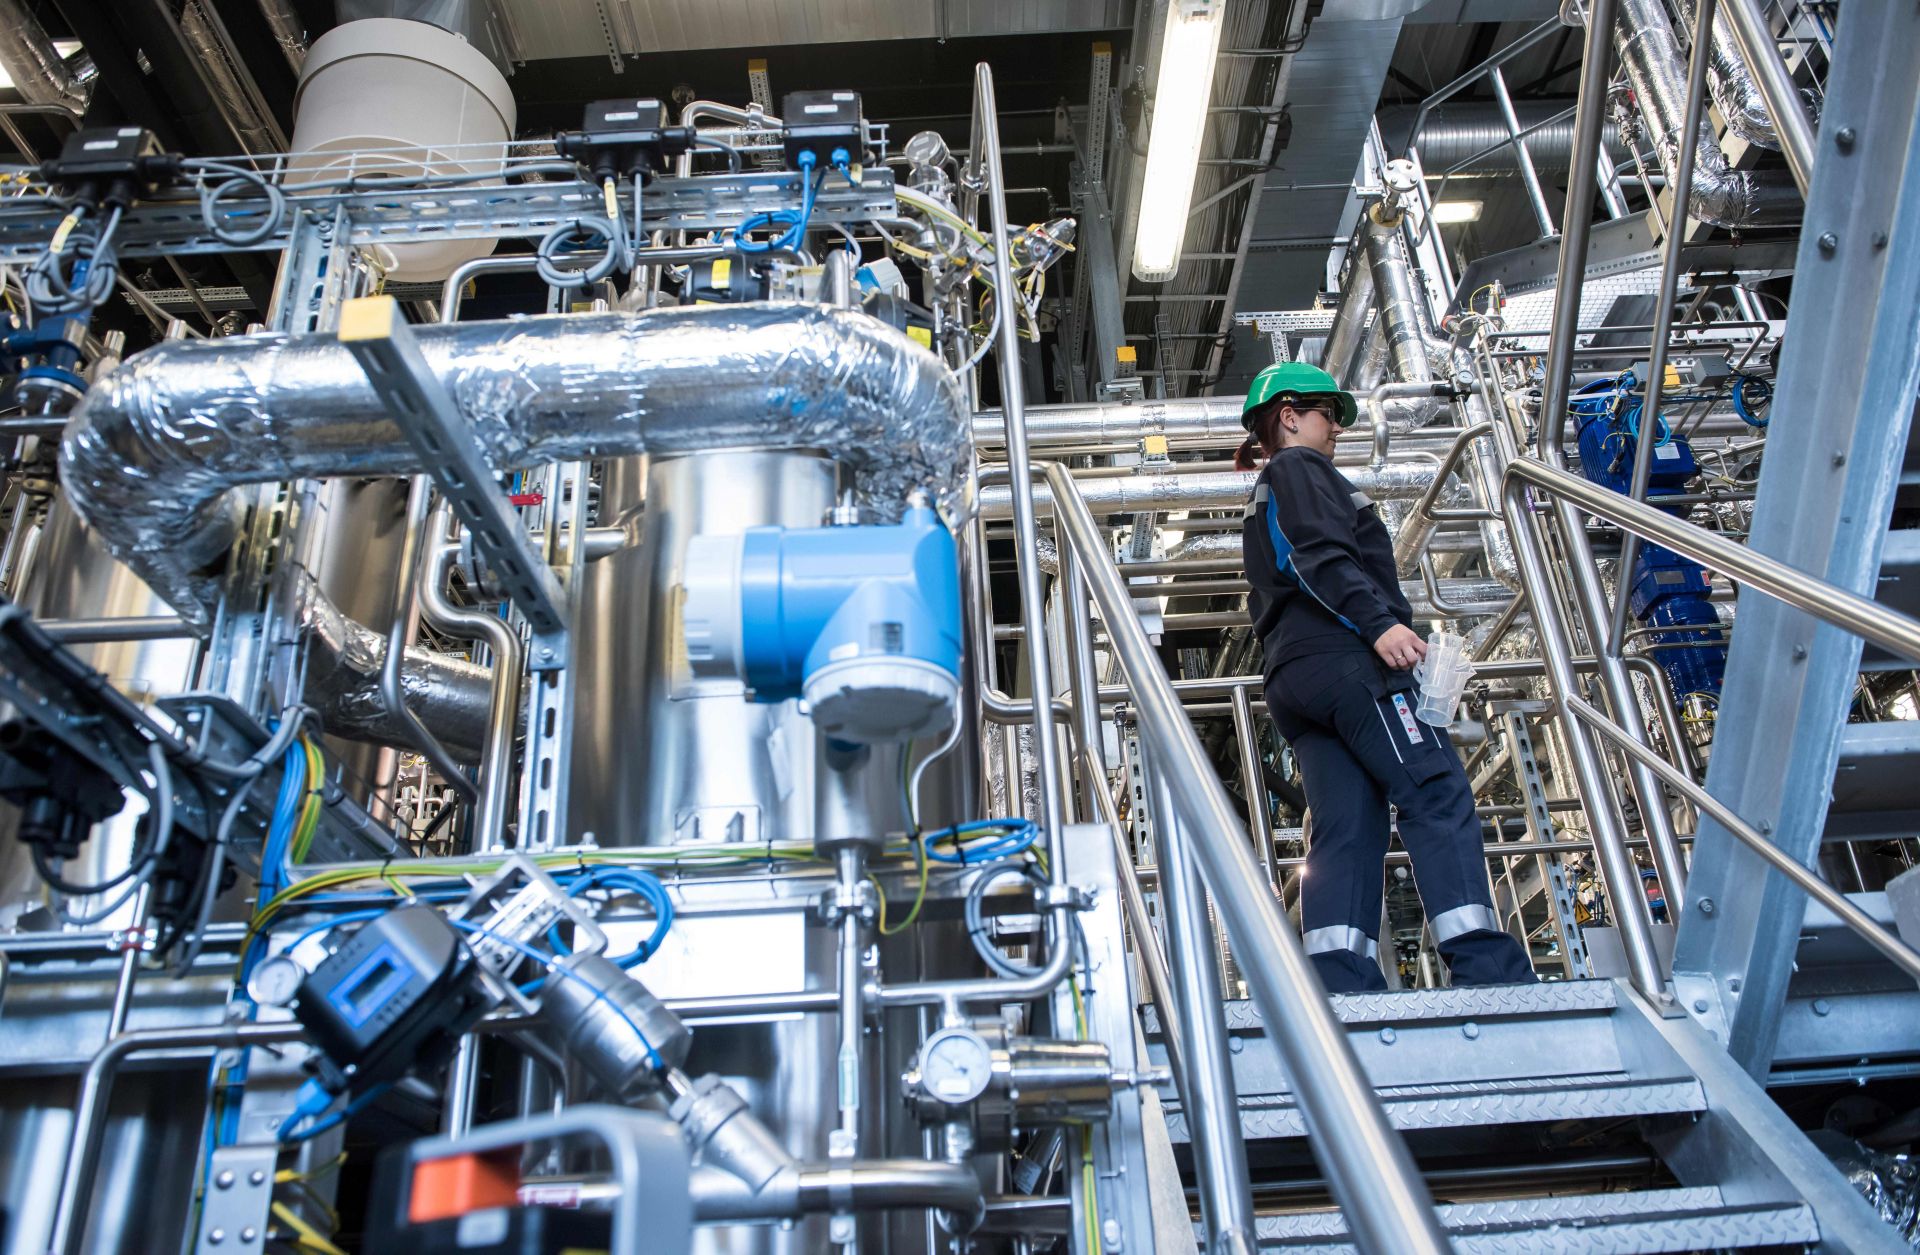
1456, 131
38, 72
1735, 93
343, 682
288, 30
1658, 73
234, 93
151, 452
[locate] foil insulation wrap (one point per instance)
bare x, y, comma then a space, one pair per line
344, 658
1889, 1183
1657, 71
152, 452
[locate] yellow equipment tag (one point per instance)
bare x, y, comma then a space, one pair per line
722, 272
922, 336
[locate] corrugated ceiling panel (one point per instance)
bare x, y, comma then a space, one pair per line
574, 28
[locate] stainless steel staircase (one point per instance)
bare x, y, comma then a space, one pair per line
1520, 1081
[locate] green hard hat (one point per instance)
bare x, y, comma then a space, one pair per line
1299, 381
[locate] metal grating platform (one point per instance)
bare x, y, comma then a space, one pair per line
1593, 1224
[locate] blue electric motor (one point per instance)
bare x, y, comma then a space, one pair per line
862, 622
1665, 590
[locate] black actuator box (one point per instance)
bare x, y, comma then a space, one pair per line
618, 139
395, 996
820, 122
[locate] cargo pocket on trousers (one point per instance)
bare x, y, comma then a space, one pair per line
1420, 748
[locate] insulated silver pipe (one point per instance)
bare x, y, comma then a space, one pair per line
1208, 490
1113, 423
1768, 74
1735, 93
345, 662
1401, 318
1720, 195
39, 73
1341, 356
152, 451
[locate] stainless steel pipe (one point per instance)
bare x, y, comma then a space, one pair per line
509, 663
1207, 490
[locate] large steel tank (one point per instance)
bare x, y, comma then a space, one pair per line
661, 759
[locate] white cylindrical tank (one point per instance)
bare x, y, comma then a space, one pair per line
405, 98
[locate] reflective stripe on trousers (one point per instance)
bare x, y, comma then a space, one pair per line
1461, 920
1344, 937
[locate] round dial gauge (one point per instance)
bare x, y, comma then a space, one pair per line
275, 982
956, 1066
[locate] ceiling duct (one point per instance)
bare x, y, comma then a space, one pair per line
39, 73
1454, 132
1721, 196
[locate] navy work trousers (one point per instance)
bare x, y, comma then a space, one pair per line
1350, 722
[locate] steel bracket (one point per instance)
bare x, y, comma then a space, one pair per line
372, 330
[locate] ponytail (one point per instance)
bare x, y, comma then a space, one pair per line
1263, 438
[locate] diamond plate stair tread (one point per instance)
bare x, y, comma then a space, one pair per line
1535, 1100
1412, 1005
1594, 1224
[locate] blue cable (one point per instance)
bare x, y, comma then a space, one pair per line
643, 884
304, 1108
1743, 406
795, 222
1018, 836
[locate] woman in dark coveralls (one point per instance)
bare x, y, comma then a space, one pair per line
1339, 650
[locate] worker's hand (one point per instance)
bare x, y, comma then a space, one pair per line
1400, 647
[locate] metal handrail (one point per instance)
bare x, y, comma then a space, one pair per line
1414, 533
1871, 930
1372, 1176
1831, 604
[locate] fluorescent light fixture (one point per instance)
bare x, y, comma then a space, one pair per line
1454, 211
1187, 52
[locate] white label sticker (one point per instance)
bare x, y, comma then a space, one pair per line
1407, 720
1666, 451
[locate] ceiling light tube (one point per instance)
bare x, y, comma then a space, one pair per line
1457, 211
1188, 49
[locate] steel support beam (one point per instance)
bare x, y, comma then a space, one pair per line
378, 337
1850, 371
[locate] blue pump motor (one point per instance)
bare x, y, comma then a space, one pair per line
862, 622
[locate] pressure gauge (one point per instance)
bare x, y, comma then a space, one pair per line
955, 1066
275, 982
